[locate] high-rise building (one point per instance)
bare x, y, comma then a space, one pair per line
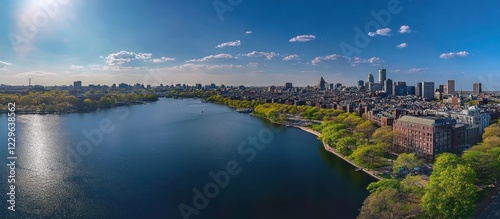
321, 84
418, 89
370, 78
382, 75
400, 89
77, 85
451, 86
388, 87
288, 85
477, 88
441, 88
411, 90
361, 83
428, 90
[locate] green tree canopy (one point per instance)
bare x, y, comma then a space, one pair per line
451, 194
406, 161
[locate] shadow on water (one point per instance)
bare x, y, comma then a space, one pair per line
342, 167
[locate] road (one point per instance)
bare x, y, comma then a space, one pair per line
492, 211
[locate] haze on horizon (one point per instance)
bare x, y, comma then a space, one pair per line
243, 42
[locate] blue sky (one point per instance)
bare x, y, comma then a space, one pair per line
249, 42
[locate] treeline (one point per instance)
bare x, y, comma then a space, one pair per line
191, 93
62, 101
238, 104
279, 112
454, 189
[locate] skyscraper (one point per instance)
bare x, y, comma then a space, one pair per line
400, 89
428, 90
418, 89
477, 88
441, 88
322, 84
388, 87
382, 75
451, 86
370, 78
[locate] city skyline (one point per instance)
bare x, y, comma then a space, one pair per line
165, 42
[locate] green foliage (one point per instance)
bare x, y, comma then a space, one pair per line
406, 161
346, 145
492, 130
369, 156
383, 185
62, 101
238, 104
383, 134
444, 161
366, 127
486, 164
451, 193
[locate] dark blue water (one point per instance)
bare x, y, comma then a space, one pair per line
145, 161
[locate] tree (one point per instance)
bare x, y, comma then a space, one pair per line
451, 194
413, 188
387, 203
383, 134
492, 130
367, 155
443, 161
485, 164
346, 145
406, 161
366, 127
383, 185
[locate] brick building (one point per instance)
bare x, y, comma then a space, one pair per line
425, 137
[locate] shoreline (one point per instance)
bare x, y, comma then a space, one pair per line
331, 150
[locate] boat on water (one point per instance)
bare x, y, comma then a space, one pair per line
358, 169
244, 110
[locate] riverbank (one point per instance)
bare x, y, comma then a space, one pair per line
332, 150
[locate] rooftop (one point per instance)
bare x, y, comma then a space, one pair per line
417, 120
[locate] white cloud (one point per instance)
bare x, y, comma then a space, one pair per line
417, 70
212, 57
402, 45
381, 32
332, 57
268, 55
35, 73
309, 71
249, 32
372, 61
76, 67
291, 57
302, 38
197, 67
124, 57
162, 59
352, 61
3, 65
454, 54
405, 29
253, 64
232, 43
